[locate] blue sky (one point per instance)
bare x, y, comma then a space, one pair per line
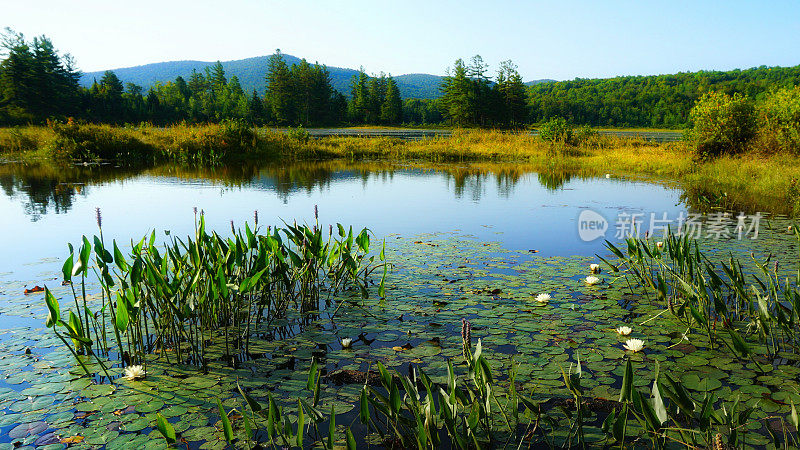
552, 39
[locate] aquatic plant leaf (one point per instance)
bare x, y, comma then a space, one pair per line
27, 429
227, 430
122, 318
251, 402
66, 269
658, 404
627, 382
332, 428
54, 310
300, 424
165, 428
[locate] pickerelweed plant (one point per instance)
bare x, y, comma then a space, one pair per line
474, 408
181, 297
722, 299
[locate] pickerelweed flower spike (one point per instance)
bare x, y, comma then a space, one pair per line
255, 217
99, 217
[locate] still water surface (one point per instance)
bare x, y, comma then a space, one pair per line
42, 210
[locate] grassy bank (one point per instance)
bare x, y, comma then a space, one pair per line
749, 181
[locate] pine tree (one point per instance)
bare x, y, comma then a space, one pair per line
216, 78
392, 107
111, 102
280, 89
35, 82
255, 108
456, 95
197, 84
357, 108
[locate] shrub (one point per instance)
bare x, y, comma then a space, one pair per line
237, 135
556, 130
585, 135
92, 142
721, 124
17, 140
211, 144
779, 121
298, 134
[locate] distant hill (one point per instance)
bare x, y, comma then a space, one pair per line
251, 73
535, 82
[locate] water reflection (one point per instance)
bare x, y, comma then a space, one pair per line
43, 188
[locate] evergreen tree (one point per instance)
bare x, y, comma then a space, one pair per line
112, 106
255, 109
183, 88
35, 82
280, 89
216, 78
456, 95
357, 109
197, 84
392, 106
512, 94
321, 94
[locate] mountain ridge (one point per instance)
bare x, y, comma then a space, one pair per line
252, 71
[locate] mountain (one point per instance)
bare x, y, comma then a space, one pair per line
251, 73
535, 82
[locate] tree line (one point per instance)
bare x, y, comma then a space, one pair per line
37, 83
650, 101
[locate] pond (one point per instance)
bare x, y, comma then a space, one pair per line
466, 241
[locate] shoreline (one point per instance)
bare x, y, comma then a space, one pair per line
748, 182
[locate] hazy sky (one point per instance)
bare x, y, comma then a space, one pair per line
549, 39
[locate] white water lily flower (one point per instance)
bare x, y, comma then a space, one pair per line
595, 268
543, 298
134, 373
634, 345
592, 280
347, 343
660, 244
608, 175
624, 331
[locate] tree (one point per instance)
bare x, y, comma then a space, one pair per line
357, 109
513, 95
722, 124
35, 82
456, 95
280, 89
392, 106
197, 84
111, 104
255, 107
216, 78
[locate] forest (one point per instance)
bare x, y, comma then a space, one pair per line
37, 84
